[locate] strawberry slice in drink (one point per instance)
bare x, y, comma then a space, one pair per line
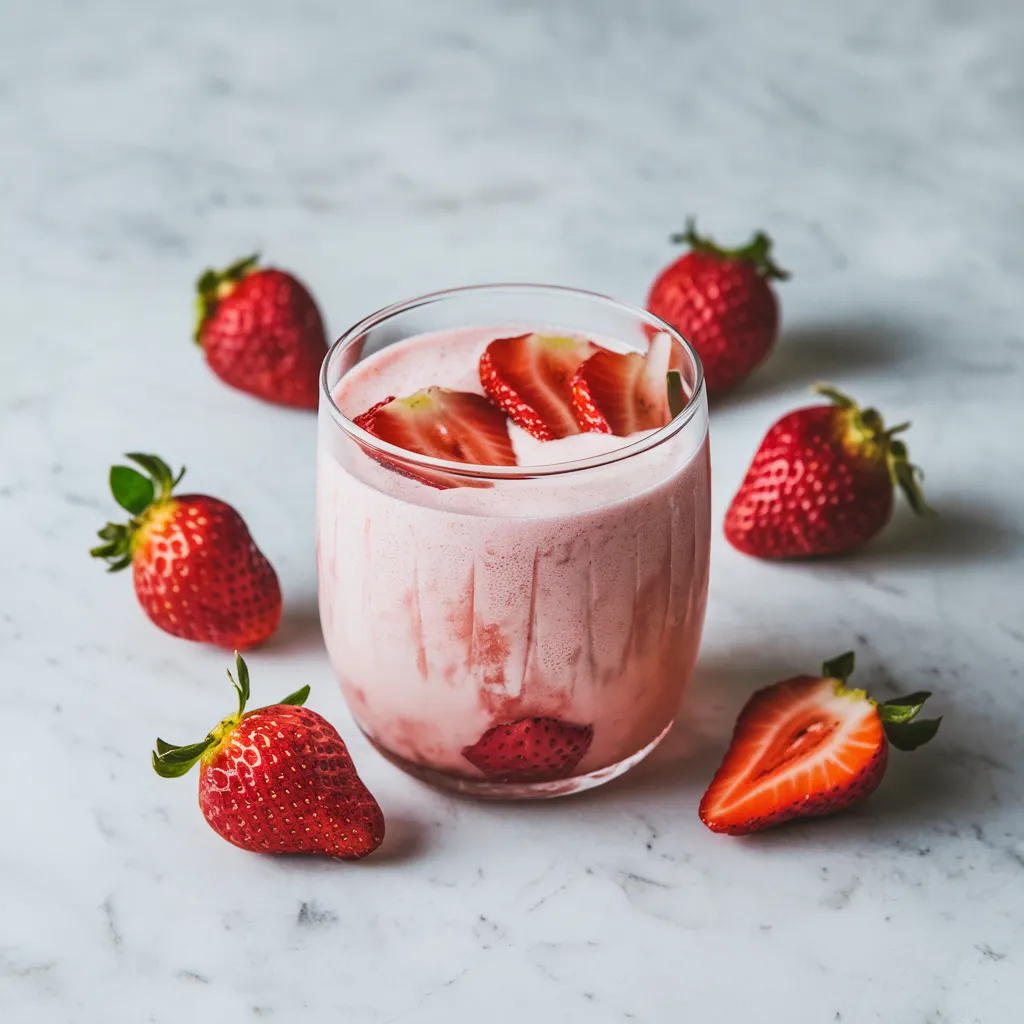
530, 377
457, 426
623, 392
530, 750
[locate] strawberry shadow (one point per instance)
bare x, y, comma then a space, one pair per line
960, 533
299, 629
405, 839
826, 351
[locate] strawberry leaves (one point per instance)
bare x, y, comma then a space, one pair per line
840, 667
298, 698
676, 394
899, 719
136, 494
241, 685
898, 716
132, 491
171, 761
757, 252
213, 285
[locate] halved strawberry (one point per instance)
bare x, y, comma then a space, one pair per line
454, 425
529, 377
809, 746
530, 750
623, 392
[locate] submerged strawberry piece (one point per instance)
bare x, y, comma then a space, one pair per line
456, 426
530, 378
623, 392
530, 750
808, 746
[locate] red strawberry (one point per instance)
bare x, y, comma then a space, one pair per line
198, 573
529, 377
721, 301
279, 780
530, 750
623, 392
808, 746
457, 426
262, 333
821, 483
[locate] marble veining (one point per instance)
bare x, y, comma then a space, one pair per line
382, 150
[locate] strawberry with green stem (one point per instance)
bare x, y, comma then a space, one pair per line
198, 573
278, 780
261, 332
722, 301
822, 482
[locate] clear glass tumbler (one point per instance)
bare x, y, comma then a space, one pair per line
530, 631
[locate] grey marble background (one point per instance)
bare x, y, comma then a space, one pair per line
391, 148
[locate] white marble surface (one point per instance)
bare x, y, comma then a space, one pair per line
390, 148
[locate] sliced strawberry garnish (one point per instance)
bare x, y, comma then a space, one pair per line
457, 426
530, 750
808, 746
530, 377
365, 419
623, 392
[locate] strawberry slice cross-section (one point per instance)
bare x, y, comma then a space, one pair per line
457, 426
809, 746
624, 392
530, 377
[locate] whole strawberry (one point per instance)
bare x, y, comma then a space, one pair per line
809, 746
198, 573
279, 780
722, 302
261, 332
821, 483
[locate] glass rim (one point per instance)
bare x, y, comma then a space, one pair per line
370, 442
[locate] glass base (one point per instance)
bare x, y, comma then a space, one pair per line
518, 790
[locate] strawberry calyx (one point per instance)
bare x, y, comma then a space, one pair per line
676, 393
146, 497
756, 252
865, 435
214, 285
171, 761
898, 716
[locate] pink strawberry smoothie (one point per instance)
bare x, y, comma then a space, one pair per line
578, 596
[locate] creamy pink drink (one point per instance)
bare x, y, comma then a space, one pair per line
519, 630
